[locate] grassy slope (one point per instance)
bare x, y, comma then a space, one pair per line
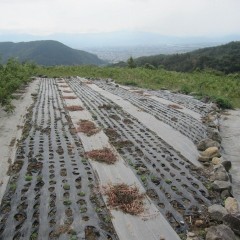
203, 83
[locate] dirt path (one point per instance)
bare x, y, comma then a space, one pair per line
230, 132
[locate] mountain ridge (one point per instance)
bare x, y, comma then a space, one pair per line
48, 53
224, 58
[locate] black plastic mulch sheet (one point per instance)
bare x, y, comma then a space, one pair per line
51, 190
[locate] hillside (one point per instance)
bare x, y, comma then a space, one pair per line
47, 53
225, 58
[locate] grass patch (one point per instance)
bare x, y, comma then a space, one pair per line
125, 198
203, 83
104, 155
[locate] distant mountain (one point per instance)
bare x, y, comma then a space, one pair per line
48, 53
225, 58
118, 39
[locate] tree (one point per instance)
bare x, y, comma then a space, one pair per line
131, 63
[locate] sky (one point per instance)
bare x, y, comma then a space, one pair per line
166, 17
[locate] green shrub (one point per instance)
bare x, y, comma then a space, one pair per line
149, 66
223, 103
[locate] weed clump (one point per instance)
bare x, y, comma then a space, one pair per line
125, 198
104, 155
175, 106
67, 91
87, 127
74, 108
69, 97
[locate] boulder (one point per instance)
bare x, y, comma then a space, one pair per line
233, 221
232, 206
221, 185
217, 212
220, 232
211, 152
227, 165
206, 143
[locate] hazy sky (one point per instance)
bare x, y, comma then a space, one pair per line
167, 17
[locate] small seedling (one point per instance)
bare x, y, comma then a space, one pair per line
28, 178
34, 236
67, 202
168, 181
39, 178
83, 210
98, 210
144, 179
82, 194
66, 186
13, 186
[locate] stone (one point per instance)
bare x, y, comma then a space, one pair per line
227, 165
206, 143
232, 206
219, 173
221, 185
233, 221
192, 236
199, 223
216, 160
204, 159
211, 152
220, 232
217, 212
225, 194
214, 135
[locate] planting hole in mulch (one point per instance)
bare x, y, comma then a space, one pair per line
69, 97
125, 198
74, 108
104, 155
87, 127
105, 106
175, 106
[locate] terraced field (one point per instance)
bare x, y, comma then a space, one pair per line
57, 188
